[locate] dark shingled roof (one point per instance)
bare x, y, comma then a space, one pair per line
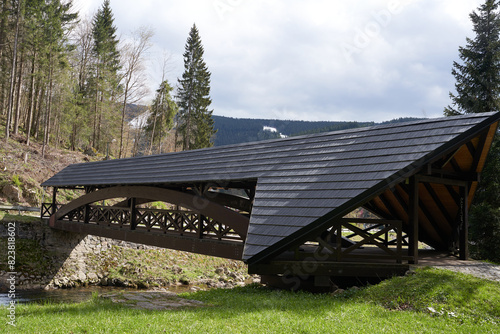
299, 179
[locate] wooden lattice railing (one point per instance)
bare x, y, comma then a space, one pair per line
178, 222
377, 240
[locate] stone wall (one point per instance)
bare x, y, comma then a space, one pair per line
47, 258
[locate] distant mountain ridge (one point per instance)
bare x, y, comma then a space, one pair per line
241, 130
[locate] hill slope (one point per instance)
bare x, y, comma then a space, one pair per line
241, 130
23, 169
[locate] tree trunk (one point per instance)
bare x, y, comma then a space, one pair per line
123, 120
38, 109
3, 63
31, 101
17, 110
47, 116
13, 73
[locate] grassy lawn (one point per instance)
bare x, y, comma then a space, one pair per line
461, 304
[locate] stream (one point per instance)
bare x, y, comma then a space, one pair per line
75, 295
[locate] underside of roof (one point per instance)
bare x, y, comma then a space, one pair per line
301, 184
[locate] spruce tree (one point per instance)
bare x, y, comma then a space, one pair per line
195, 124
478, 76
478, 90
161, 119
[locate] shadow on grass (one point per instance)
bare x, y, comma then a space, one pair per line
429, 287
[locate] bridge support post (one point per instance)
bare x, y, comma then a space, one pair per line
413, 220
201, 219
133, 213
54, 200
464, 224
86, 213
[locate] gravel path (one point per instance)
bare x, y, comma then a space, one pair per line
471, 267
476, 268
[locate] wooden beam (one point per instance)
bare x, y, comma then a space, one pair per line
133, 213
438, 202
452, 155
413, 215
440, 180
464, 224
54, 200
479, 151
232, 201
389, 206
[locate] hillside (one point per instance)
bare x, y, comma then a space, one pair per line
23, 169
241, 130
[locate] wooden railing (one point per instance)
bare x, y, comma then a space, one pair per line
346, 241
19, 208
178, 222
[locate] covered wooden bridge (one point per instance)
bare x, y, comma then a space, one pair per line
283, 206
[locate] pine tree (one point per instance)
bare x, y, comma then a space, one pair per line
161, 119
195, 124
478, 90
478, 76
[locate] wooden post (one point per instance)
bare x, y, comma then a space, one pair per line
133, 213
464, 224
54, 200
339, 242
399, 241
413, 221
86, 213
201, 218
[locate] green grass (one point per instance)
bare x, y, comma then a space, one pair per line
398, 305
31, 217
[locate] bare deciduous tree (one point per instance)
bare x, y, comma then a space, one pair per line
134, 79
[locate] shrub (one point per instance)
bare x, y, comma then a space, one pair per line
16, 181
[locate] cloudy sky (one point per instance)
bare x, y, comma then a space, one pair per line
370, 60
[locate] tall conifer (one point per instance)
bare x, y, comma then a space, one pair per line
195, 124
478, 90
478, 75
161, 119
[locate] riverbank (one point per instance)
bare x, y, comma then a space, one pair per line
49, 259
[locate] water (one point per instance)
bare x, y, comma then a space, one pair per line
75, 295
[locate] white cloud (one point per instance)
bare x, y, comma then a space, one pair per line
285, 59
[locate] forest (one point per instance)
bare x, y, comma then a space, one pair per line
241, 130
68, 81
